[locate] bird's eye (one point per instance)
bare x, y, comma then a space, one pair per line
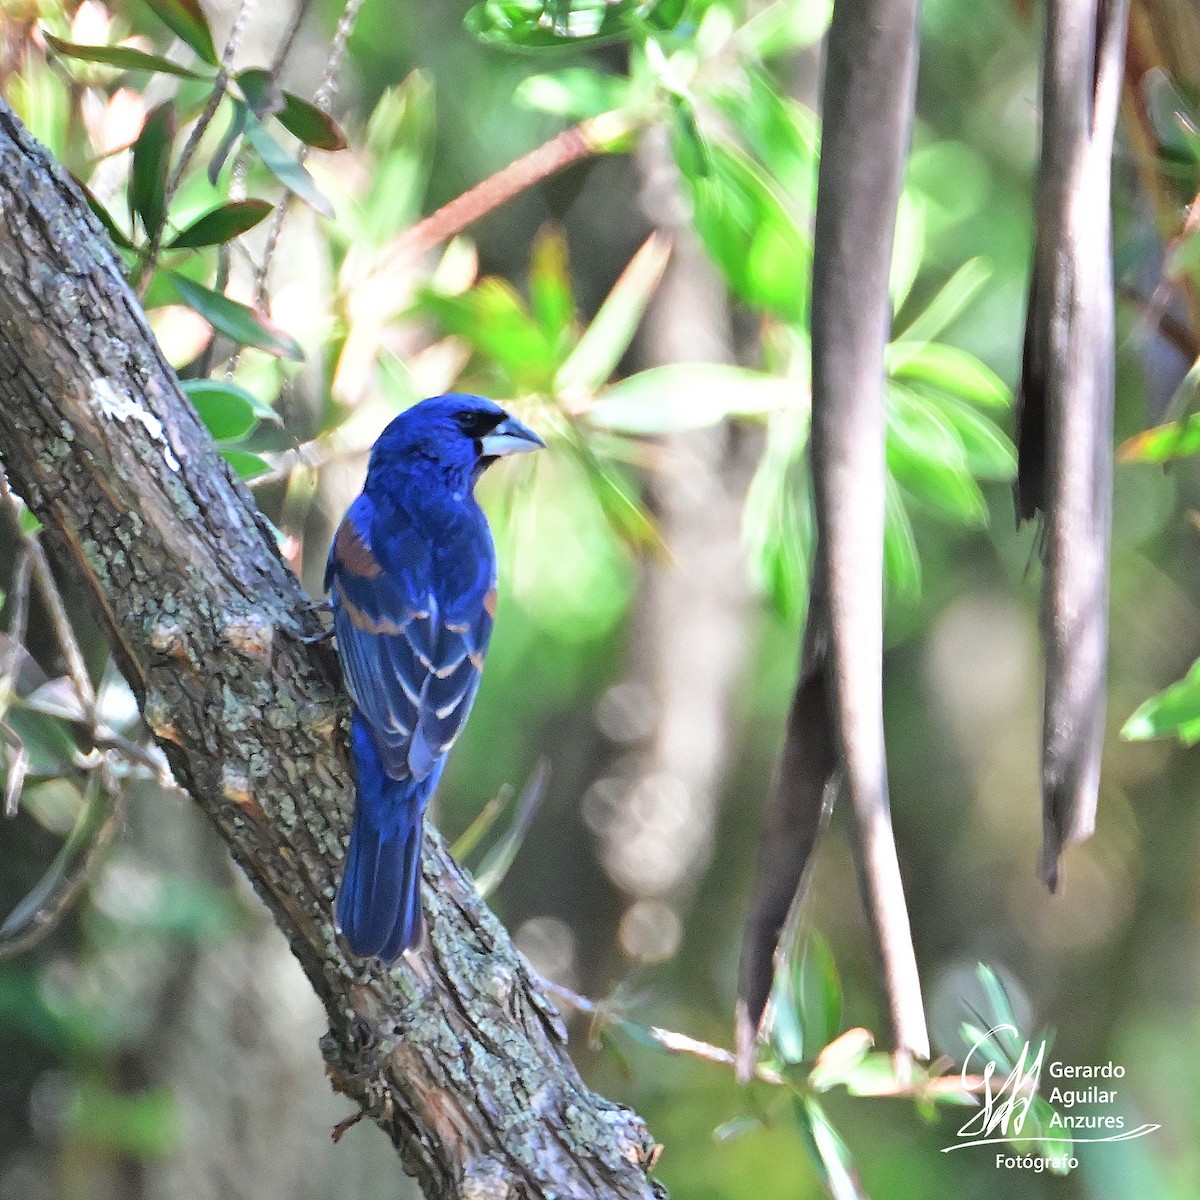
476, 424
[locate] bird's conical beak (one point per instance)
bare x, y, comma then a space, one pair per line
510, 437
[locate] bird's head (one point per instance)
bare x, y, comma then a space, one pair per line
461, 433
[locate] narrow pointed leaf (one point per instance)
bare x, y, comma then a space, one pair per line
606, 339
948, 369
286, 169
261, 91
1162, 443
235, 320
117, 236
684, 396
221, 224
308, 123
186, 19
495, 866
237, 126
126, 58
550, 294
151, 162
829, 1153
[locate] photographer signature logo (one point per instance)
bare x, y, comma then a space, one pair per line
1005, 1102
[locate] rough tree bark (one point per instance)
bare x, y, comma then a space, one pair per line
456, 1056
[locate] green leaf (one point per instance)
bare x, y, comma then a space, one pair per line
117, 236
236, 321
57, 885
260, 91
1175, 711
465, 844
310, 125
606, 339
838, 1061
925, 454
247, 466
781, 133
493, 321
124, 57
989, 453
783, 28
151, 162
901, 562
748, 231
1163, 443
948, 369
736, 1127
399, 137
221, 224
628, 518
956, 293
550, 295
1170, 115
1000, 1005
544, 24
819, 990
207, 389
908, 248
237, 126
286, 169
829, 1154
48, 741
186, 19
495, 865
226, 414
778, 526
941, 487
873, 1075
575, 92
685, 396
784, 1029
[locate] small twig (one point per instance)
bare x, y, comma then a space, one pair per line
594, 136
323, 100
19, 594
53, 897
145, 756
668, 1039
299, 13
68, 643
146, 265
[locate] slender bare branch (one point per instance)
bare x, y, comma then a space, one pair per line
870, 78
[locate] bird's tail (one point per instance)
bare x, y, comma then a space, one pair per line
379, 901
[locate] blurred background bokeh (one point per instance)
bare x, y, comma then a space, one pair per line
161, 1044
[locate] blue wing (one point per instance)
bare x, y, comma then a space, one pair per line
412, 634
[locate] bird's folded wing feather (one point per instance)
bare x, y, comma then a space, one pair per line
411, 664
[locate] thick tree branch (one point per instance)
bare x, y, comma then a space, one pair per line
455, 1055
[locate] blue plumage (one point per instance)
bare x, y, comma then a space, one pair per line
412, 576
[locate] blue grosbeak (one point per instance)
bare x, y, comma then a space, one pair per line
412, 576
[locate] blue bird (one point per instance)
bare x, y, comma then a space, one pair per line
412, 578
